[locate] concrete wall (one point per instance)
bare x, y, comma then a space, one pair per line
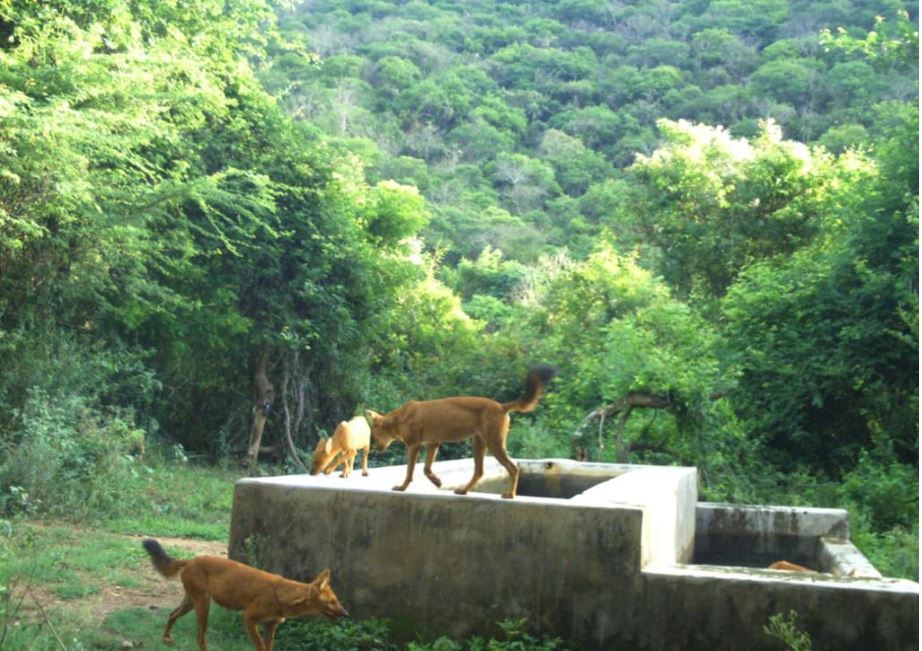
723, 608
446, 564
668, 497
735, 534
603, 569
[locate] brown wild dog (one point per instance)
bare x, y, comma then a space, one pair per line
264, 598
791, 567
347, 441
430, 423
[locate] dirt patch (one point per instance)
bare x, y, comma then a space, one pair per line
192, 546
155, 591
149, 589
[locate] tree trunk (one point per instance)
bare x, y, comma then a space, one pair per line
286, 379
622, 450
265, 394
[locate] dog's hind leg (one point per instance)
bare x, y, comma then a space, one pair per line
367, 450
180, 610
201, 614
497, 445
431, 451
477, 443
500, 454
412, 453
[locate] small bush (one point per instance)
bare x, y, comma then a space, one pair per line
67, 458
784, 628
351, 635
533, 441
515, 637
888, 491
375, 635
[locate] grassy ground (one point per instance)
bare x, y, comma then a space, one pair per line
80, 583
88, 584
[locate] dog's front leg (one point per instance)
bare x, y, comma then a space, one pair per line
412, 453
349, 463
430, 457
269, 633
250, 623
333, 464
479, 447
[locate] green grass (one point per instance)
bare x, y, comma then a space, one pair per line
67, 565
182, 500
143, 628
66, 561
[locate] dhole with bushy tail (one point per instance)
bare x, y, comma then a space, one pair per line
264, 598
430, 423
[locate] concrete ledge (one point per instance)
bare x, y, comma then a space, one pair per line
842, 558
722, 607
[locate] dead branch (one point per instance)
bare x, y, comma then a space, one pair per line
622, 408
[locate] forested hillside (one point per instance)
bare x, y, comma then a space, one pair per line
515, 119
224, 219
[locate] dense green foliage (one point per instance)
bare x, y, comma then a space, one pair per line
705, 213
528, 111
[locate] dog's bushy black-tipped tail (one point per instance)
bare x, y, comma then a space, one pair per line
538, 377
162, 561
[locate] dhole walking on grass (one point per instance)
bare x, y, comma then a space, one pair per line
348, 440
264, 598
430, 423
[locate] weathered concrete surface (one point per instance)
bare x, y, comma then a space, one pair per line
842, 558
721, 608
442, 563
591, 569
756, 536
668, 497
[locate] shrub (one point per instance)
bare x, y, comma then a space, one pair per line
784, 628
67, 458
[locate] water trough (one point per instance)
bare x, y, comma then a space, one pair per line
604, 555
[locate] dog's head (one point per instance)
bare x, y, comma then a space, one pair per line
322, 600
323, 454
382, 429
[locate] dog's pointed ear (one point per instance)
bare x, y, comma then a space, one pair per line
322, 580
372, 416
328, 445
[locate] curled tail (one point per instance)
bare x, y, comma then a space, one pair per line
537, 379
163, 563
